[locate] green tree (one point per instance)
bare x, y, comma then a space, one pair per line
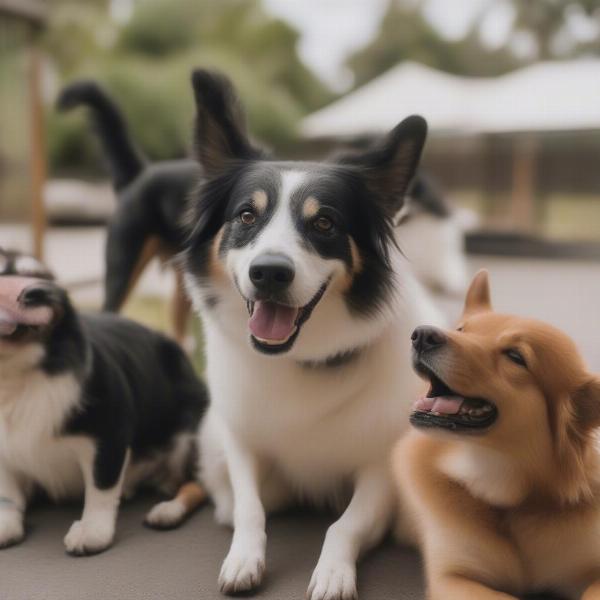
146, 64
545, 21
405, 34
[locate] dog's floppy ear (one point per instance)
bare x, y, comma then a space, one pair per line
478, 297
220, 135
390, 165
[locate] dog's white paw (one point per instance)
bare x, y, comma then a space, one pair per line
89, 536
166, 515
241, 572
11, 529
333, 581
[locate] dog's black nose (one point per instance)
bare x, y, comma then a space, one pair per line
272, 273
427, 338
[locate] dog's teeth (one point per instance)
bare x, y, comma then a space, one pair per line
476, 412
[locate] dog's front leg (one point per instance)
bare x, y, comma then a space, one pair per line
362, 525
103, 471
12, 509
244, 566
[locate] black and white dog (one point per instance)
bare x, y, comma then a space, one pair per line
89, 405
308, 306
152, 200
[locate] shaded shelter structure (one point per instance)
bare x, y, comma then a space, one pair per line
508, 145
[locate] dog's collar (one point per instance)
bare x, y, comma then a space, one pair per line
340, 359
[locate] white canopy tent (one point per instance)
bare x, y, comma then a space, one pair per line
547, 96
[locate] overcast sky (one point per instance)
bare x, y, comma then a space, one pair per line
333, 29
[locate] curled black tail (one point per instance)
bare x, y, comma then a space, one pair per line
125, 162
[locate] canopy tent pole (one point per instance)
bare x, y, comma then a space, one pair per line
522, 200
38, 162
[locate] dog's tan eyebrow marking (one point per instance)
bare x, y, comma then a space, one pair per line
216, 266
260, 200
357, 263
310, 207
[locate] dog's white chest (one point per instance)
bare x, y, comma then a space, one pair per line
318, 425
33, 409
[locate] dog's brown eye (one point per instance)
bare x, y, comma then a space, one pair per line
515, 356
323, 224
461, 328
247, 217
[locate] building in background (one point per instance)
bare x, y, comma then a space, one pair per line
521, 149
21, 116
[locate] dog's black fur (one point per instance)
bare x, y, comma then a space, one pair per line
362, 193
153, 197
138, 389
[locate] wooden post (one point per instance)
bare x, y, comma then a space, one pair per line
38, 153
522, 201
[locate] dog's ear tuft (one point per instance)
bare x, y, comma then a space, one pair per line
478, 297
587, 403
220, 136
390, 165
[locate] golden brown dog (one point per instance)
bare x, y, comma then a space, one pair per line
501, 473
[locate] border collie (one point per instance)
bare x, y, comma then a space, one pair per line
152, 200
90, 406
307, 305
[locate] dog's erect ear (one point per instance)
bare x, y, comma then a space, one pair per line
390, 165
587, 403
220, 135
478, 297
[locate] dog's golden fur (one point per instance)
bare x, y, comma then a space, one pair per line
516, 508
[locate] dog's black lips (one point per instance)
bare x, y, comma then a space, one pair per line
304, 314
462, 422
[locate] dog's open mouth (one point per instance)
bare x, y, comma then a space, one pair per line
274, 327
444, 408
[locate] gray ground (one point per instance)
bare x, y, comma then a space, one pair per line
183, 564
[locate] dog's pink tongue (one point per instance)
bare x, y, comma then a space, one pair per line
271, 321
12, 313
445, 405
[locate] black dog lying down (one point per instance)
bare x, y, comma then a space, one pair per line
153, 199
93, 406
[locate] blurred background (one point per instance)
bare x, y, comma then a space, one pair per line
511, 90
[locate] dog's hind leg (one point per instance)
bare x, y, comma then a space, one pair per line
171, 513
362, 525
127, 256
